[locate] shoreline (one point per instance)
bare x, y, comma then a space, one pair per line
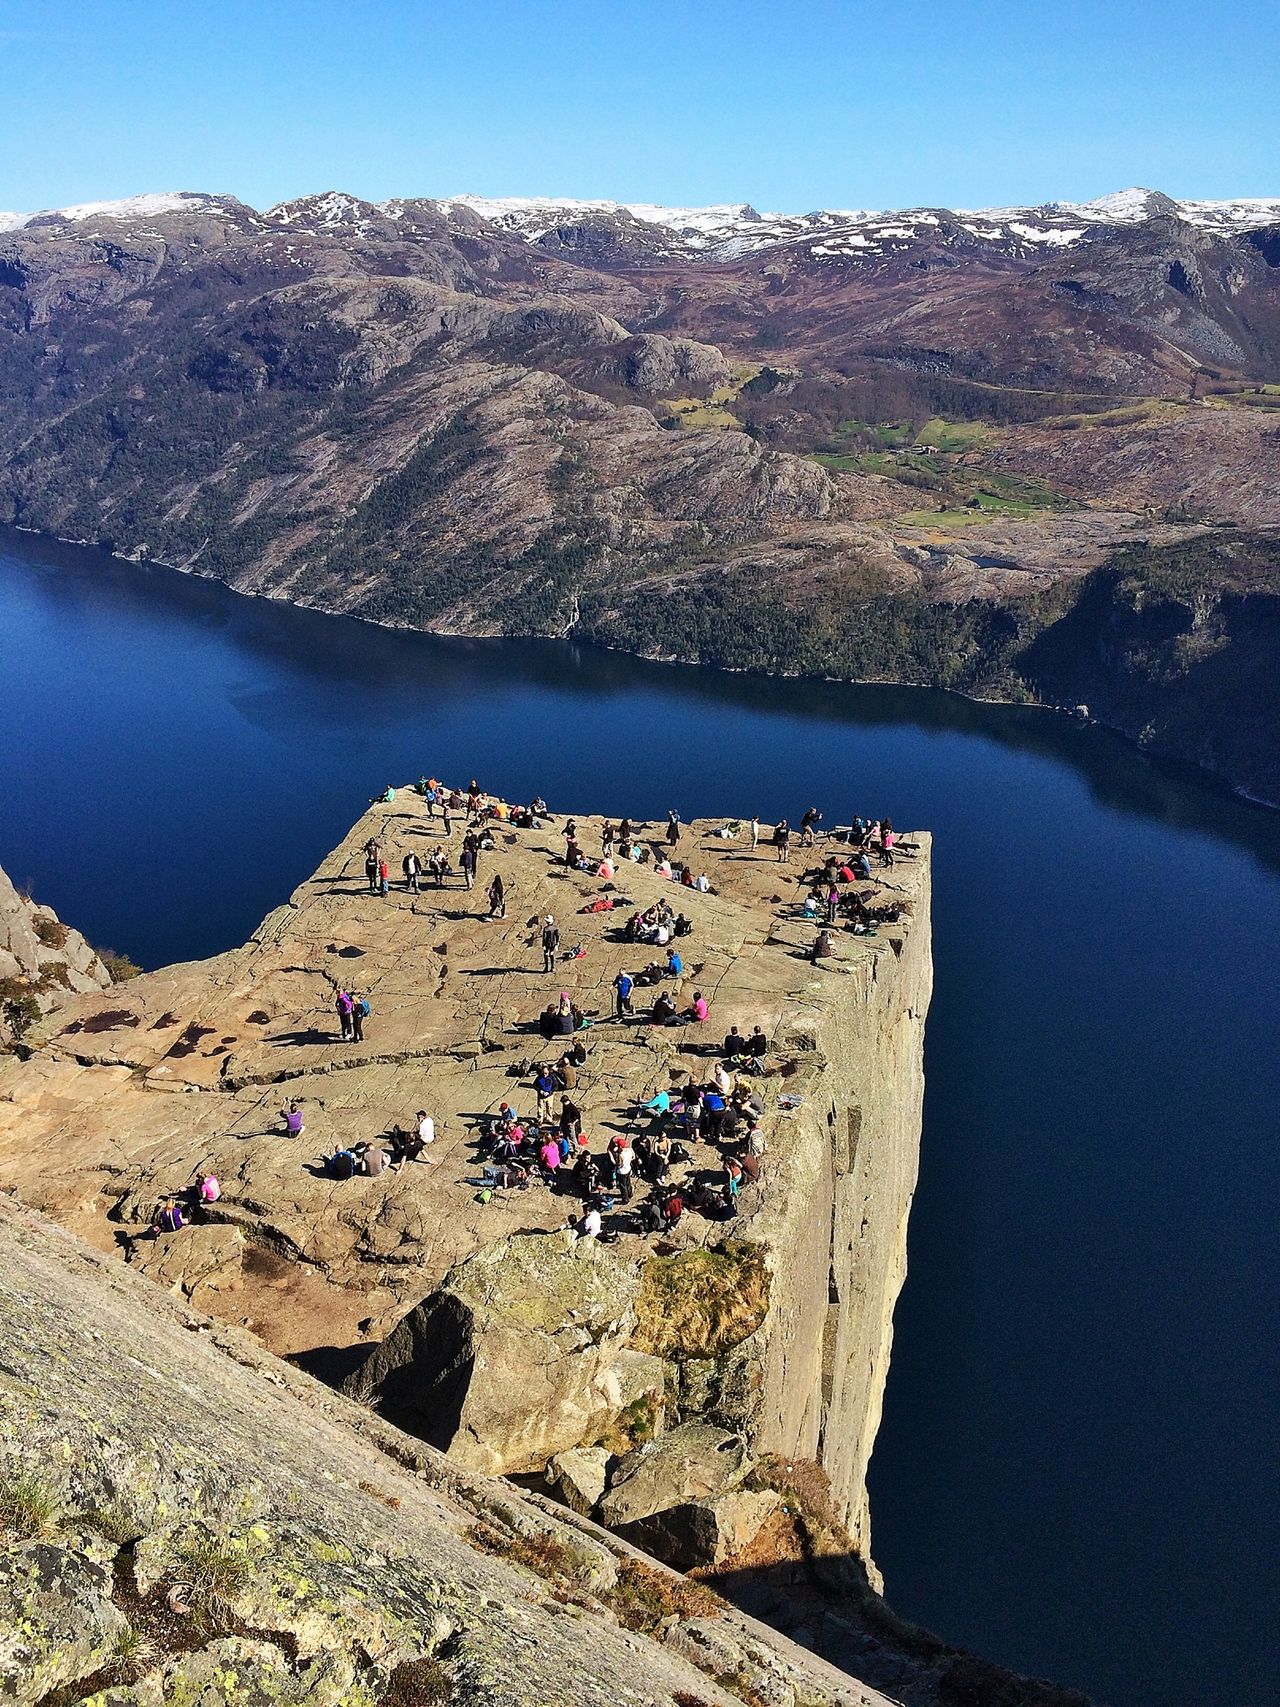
1216, 781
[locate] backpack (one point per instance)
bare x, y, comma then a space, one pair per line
343, 1165
363, 1008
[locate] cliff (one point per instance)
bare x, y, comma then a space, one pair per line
39, 955
773, 1327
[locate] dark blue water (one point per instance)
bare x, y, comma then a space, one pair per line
1077, 1473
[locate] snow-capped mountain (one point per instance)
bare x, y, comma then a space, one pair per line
718, 233
724, 232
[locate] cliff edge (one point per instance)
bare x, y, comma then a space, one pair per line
476, 1315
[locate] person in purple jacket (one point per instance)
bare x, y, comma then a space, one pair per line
344, 1005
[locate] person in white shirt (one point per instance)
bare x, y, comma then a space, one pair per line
589, 1226
426, 1136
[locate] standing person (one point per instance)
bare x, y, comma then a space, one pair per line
887, 839
755, 831
429, 799
444, 813
344, 1006
384, 878
550, 943
359, 1014
371, 852
467, 862
623, 985
606, 839
497, 897
624, 1160
570, 1119
833, 904
808, 825
412, 868
673, 829
782, 841
544, 1086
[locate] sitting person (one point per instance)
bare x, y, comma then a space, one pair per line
735, 1044
823, 947
757, 1043
675, 966
664, 1009
169, 1217
698, 1009
292, 1117
682, 926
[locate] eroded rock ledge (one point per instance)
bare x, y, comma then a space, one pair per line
492, 1333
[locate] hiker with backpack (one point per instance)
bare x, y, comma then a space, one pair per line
360, 1011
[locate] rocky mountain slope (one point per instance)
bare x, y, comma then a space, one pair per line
217, 1527
38, 956
882, 435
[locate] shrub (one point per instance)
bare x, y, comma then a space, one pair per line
133, 1656
419, 1683
21, 1013
119, 966
217, 1572
52, 932
27, 1507
701, 1303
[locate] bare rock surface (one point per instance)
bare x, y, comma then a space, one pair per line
776, 1326
185, 1519
39, 955
691, 1462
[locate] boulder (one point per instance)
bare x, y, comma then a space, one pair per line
57, 1620
519, 1354
703, 1532
692, 1462
579, 1476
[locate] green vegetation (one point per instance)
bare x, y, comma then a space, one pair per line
120, 966
133, 1656
50, 931
952, 436
20, 1011
28, 1507
701, 1303
217, 1571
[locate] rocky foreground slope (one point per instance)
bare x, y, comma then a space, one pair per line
183, 1518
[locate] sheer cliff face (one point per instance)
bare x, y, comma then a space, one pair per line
840, 1247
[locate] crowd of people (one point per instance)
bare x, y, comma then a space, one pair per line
693, 1145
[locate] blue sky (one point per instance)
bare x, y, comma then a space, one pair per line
788, 105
